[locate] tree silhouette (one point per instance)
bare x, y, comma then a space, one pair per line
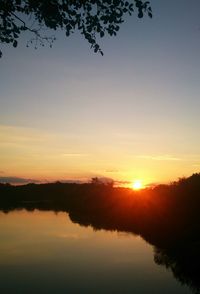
92, 18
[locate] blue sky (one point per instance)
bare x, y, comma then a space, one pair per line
134, 113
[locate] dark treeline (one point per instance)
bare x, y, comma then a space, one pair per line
167, 216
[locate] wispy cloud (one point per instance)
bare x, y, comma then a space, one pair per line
112, 170
74, 154
164, 157
16, 180
122, 182
196, 165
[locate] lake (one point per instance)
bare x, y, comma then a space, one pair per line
45, 252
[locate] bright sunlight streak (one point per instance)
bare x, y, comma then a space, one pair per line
137, 185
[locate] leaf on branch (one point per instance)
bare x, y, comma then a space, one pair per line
101, 34
15, 43
93, 18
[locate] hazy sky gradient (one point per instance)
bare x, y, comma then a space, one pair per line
68, 113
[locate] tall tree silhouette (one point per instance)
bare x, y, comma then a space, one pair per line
93, 18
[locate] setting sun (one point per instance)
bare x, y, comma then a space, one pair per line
137, 185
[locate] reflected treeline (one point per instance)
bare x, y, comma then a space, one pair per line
166, 216
184, 262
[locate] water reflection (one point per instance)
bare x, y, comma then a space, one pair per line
45, 252
167, 217
183, 262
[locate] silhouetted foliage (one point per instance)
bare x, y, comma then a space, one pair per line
166, 216
93, 18
102, 181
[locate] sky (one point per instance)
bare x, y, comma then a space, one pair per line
67, 113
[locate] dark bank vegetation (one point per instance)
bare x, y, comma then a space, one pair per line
167, 212
167, 216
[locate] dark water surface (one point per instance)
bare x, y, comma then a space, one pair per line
45, 252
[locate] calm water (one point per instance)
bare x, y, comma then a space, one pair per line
44, 252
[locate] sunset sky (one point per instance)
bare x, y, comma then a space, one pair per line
68, 113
